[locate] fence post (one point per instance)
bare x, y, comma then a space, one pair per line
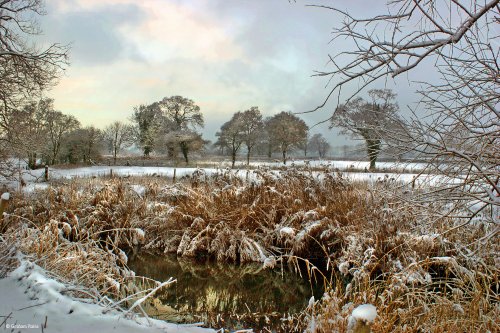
46, 173
173, 178
4, 202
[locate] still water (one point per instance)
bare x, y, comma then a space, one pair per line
223, 295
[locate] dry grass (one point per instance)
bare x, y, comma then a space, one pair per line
8, 260
421, 277
226, 218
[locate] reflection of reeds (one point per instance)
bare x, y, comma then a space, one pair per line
227, 290
224, 295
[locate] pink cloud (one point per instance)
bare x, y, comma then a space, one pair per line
169, 30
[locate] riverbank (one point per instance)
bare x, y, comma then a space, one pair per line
31, 301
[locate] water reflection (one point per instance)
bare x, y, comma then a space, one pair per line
223, 295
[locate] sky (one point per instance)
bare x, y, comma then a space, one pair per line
227, 56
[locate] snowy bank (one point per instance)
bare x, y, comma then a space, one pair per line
31, 301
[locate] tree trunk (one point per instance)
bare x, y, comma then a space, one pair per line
88, 154
233, 158
284, 157
373, 148
147, 151
171, 152
248, 155
185, 150
53, 159
32, 161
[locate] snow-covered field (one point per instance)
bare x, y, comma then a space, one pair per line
343, 165
34, 178
30, 301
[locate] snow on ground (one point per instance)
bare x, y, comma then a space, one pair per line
139, 189
30, 300
180, 172
342, 165
34, 178
32, 187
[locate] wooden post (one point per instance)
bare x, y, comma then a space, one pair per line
20, 177
4, 202
46, 174
173, 178
111, 173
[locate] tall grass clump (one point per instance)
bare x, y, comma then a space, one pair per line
422, 277
77, 232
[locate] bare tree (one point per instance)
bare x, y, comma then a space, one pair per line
369, 119
58, 125
319, 144
25, 70
286, 132
232, 136
181, 115
186, 141
27, 131
251, 126
149, 122
118, 135
37, 130
83, 145
459, 137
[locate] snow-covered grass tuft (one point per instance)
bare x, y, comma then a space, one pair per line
362, 317
365, 312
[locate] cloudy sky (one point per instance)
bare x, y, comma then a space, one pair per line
225, 55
